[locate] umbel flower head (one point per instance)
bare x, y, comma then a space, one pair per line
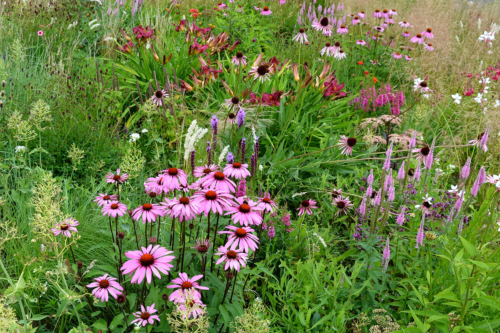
146, 262
65, 228
104, 286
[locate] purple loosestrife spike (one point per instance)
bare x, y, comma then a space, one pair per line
388, 181
240, 118
387, 162
481, 177
370, 178
193, 156
413, 141
430, 158
392, 193
362, 207
484, 140
369, 191
459, 203
420, 233
401, 217
386, 255
230, 158
418, 173
243, 149
209, 153
252, 164
401, 171
242, 189
271, 232
466, 169
475, 188
378, 199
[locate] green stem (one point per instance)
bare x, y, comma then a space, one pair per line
23, 313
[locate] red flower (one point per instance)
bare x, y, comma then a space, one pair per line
375, 80
194, 12
360, 63
366, 72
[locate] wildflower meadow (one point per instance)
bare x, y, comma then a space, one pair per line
249, 166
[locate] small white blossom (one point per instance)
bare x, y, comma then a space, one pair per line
454, 189
144, 131
261, 168
20, 149
479, 98
297, 194
134, 137
456, 98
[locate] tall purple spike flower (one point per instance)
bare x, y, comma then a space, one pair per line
401, 171
392, 193
401, 217
387, 162
370, 178
386, 255
252, 165
369, 190
215, 130
388, 181
418, 173
413, 141
256, 148
459, 203
230, 158
378, 199
466, 169
420, 233
430, 158
484, 140
209, 153
193, 156
362, 206
480, 179
242, 189
240, 118
243, 149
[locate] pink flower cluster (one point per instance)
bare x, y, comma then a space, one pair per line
372, 99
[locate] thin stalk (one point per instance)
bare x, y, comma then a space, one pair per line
23, 313
234, 285
213, 247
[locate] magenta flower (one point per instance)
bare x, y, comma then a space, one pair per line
246, 212
360, 42
218, 181
185, 284
237, 170
116, 178
386, 255
266, 11
400, 219
377, 13
362, 207
301, 37
65, 228
346, 144
428, 33
417, 39
103, 199
466, 169
405, 34
234, 259
266, 204
149, 212
343, 204
362, 14
429, 47
307, 206
146, 262
40, 33
202, 246
387, 162
184, 208
239, 59
408, 58
420, 233
202, 171
114, 209
145, 316
401, 171
243, 238
215, 201
342, 30
174, 177
323, 25
397, 55
404, 24
104, 286
156, 185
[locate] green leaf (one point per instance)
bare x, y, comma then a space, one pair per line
488, 301
38, 317
468, 246
116, 321
224, 313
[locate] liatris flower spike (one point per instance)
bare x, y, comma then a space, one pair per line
104, 286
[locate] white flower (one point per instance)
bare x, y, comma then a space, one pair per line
261, 167
498, 225
456, 98
94, 26
427, 198
254, 134
484, 80
223, 154
487, 36
497, 103
451, 166
194, 134
92, 22
454, 188
144, 131
416, 83
479, 98
297, 194
461, 193
134, 137
490, 52
107, 39
20, 149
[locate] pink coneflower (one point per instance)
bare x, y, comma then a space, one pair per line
481, 140
185, 284
40, 33
428, 33
301, 37
266, 11
405, 34
343, 204
360, 42
260, 73
355, 20
397, 55
385, 13
202, 171
323, 25
104, 198
429, 47
196, 186
266, 204
149, 212
242, 237
422, 153
417, 39
245, 212
393, 12
158, 97
340, 55
328, 50
307, 206
219, 182
104, 286
158, 185
408, 58
184, 208
221, 5
233, 103
379, 28
342, 30
239, 59
174, 177
116, 178
362, 14
65, 228
404, 24
147, 261
388, 21
377, 13
282, 2
202, 246
145, 316
237, 170
114, 209
346, 144
234, 259
215, 201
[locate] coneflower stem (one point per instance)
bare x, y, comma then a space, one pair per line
208, 227
213, 247
111, 229
158, 234
107, 316
183, 244
135, 232
146, 234
74, 261
234, 285
228, 284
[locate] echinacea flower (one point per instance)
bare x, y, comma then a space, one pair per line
239, 59
377, 13
174, 178
158, 97
397, 55
379, 28
242, 238
266, 204
408, 58
426, 204
428, 33
266, 11
343, 204
104, 286
234, 259
355, 20
218, 181
116, 178
149, 212
146, 315
237, 170
202, 246
202, 171
260, 73
360, 42
184, 285
157, 185
323, 25
213, 200
362, 14
342, 30
104, 198
328, 50
65, 228
340, 55
245, 212
301, 37
429, 47
346, 144
40, 33
146, 262
114, 209
417, 39
221, 5
422, 153
184, 208
306, 206
481, 140
405, 34
404, 24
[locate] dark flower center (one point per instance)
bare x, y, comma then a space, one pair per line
405, 22
106, 197
328, 44
210, 195
341, 51
324, 22
231, 254
341, 204
266, 200
186, 285
240, 232
116, 177
423, 84
397, 53
120, 299
301, 30
425, 151
236, 165
342, 26
147, 206
239, 54
305, 203
147, 260
173, 171
231, 116
160, 181
356, 17
337, 44
244, 208
235, 100
219, 175
202, 248
335, 194
262, 70
145, 315
266, 9
184, 200
351, 142
377, 10
64, 226
429, 44
159, 94
429, 30
374, 194
411, 172
362, 12
103, 283
406, 32
207, 171
426, 204
419, 36
385, 11
152, 194
480, 136
114, 206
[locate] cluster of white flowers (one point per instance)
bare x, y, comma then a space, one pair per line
72, 25
134, 137
194, 134
144, 131
487, 37
297, 194
456, 98
254, 134
93, 24
20, 149
223, 154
